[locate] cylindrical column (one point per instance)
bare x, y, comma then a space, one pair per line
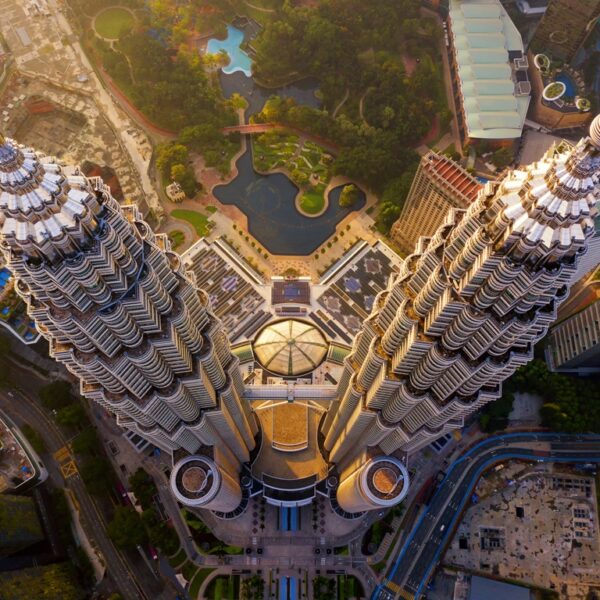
380, 483
197, 481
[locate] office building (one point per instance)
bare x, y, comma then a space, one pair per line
439, 185
120, 312
573, 345
465, 310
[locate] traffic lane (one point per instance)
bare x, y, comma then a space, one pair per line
425, 536
424, 566
91, 519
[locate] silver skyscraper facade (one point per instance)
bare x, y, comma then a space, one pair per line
466, 309
120, 312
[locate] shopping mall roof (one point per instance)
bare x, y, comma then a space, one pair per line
486, 43
290, 347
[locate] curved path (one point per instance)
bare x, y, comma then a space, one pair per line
418, 557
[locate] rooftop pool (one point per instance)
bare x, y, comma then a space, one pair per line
239, 61
571, 89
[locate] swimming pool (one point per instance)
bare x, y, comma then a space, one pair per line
571, 88
238, 59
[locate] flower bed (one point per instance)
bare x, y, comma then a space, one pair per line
542, 62
583, 104
553, 91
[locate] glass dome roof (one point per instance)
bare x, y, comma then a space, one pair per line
290, 347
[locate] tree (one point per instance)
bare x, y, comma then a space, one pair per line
502, 157
169, 155
252, 588
349, 196
97, 474
159, 533
56, 395
72, 415
86, 442
126, 528
34, 438
143, 487
185, 177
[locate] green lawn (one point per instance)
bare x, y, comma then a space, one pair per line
196, 219
197, 582
112, 22
178, 558
189, 570
224, 588
312, 202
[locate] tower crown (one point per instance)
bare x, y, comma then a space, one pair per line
43, 212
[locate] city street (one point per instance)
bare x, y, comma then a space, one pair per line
418, 557
22, 407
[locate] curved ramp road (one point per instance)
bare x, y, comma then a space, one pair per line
409, 575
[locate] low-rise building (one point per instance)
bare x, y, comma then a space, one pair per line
489, 71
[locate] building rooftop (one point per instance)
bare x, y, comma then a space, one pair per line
485, 589
348, 299
16, 466
453, 175
290, 347
485, 40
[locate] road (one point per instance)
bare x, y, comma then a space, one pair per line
23, 409
418, 557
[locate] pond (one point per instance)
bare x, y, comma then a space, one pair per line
303, 91
269, 203
239, 61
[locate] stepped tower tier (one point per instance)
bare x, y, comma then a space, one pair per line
466, 309
118, 308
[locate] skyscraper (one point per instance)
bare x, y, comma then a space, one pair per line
120, 312
574, 344
565, 27
466, 309
439, 185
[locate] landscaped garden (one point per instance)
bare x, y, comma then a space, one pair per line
200, 222
306, 163
224, 588
113, 22
176, 237
205, 539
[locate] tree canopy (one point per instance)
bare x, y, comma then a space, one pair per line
126, 529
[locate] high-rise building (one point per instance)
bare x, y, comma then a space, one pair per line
465, 310
574, 344
565, 27
439, 185
440, 331
120, 312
